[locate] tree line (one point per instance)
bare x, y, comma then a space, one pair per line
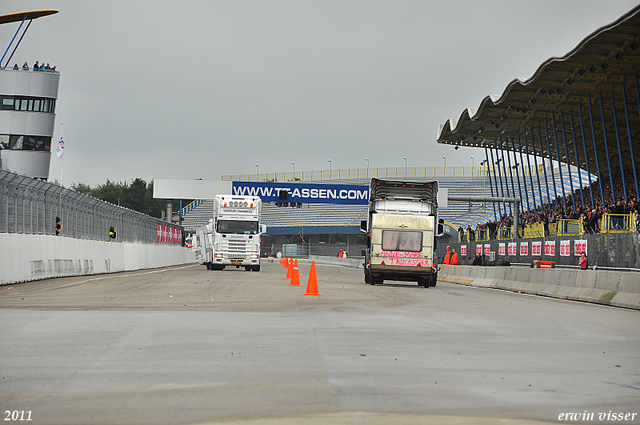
137, 196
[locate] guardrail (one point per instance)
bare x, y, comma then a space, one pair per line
618, 223
570, 227
358, 173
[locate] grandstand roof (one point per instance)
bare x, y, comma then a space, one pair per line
601, 72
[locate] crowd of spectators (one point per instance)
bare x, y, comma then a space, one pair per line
41, 67
589, 213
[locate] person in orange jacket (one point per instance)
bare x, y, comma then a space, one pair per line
454, 257
447, 256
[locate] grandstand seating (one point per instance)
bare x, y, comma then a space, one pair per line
459, 213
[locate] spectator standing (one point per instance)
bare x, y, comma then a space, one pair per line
112, 233
447, 256
58, 226
584, 263
454, 258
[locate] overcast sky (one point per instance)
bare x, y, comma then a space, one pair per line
198, 89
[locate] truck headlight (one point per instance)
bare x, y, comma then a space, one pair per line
218, 255
254, 256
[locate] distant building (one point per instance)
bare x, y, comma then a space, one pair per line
27, 118
27, 107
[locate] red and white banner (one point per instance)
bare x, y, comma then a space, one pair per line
536, 248
463, 250
501, 248
565, 248
169, 234
549, 247
579, 246
524, 248
512, 248
479, 249
487, 249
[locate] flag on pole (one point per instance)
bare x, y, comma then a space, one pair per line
60, 148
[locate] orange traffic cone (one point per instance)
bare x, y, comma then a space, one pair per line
289, 271
312, 285
281, 258
295, 275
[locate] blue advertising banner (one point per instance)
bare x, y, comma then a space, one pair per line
305, 192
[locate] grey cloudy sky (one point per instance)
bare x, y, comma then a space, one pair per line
199, 89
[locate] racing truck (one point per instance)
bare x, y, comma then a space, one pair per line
232, 236
401, 232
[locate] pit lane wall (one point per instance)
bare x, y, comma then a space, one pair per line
619, 289
32, 257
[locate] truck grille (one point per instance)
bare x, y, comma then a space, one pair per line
236, 247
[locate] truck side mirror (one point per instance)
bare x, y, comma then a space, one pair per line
440, 229
263, 228
363, 226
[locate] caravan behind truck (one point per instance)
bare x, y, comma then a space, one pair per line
401, 232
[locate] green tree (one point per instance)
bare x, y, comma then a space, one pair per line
134, 195
85, 189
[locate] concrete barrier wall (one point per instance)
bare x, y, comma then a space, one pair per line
620, 289
33, 257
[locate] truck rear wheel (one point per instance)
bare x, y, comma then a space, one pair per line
424, 281
367, 277
434, 280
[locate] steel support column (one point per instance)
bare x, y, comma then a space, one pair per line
506, 183
586, 155
524, 179
566, 153
501, 189
626, 114
513, 189
606, 146
615, 124
595, 150
486, 157
575, 150
555, 137
553, 176
544, 168
526, 144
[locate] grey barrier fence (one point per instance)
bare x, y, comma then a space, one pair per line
612, 250
306, 249
30, 206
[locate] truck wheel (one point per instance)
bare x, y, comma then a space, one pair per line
247, 269
367, 277
423, 281
434, 280
256, 269
208, 266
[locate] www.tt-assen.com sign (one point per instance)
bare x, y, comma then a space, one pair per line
305, 192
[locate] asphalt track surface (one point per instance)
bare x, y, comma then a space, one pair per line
184, 345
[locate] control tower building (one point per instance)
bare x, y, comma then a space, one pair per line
27, 107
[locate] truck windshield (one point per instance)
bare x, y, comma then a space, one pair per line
401, 240
237, 227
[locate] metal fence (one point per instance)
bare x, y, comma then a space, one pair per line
610, 250
30, 206
304, 250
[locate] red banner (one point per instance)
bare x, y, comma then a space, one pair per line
168, 234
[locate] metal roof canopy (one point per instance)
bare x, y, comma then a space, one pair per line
21, 17
568, 99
